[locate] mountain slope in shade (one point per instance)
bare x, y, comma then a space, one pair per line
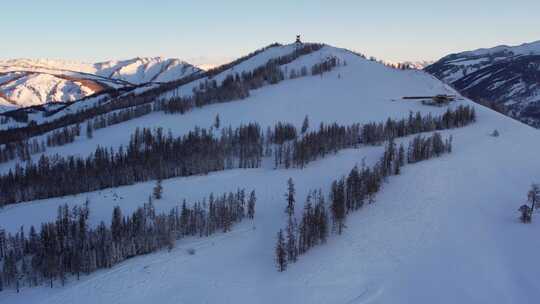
27, 82
503, 75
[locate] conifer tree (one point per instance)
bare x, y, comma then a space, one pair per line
281, 252
158, 190
116, 224
305, 125
89, 130
401, 155
290, 197
251, 205
292, 249
322, 219
217, 122
533, 197
338, 205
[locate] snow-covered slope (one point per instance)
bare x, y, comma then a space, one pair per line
360, 81
532, 48
444, 231
141, 70
26, 82
248, 63
35, 89
504, 75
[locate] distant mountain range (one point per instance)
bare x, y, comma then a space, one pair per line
419, 65
27, 82
503, 77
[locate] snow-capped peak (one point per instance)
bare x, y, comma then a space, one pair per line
530, 48
25, 82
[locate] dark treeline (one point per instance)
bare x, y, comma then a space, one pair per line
149, 155
119, 100
282, 133
69, 246
312, 230
63, 136
237, 86
332, 138
117, 117
232, 88
153, 154
349, 194
325, 66
66, 135
21, 150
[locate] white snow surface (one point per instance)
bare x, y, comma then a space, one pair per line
250, 64
136, 70
43, 80
531, 48
33, 89
354, 86
444, 231
418, 65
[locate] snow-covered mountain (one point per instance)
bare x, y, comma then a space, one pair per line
416, 65
28, 82
504, 75
442, 231
419, 65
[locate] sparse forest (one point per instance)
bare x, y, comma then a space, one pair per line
349, 194
69, 247
16, 142
155, 154
124, 106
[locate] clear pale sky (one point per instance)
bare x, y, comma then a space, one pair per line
216, 31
